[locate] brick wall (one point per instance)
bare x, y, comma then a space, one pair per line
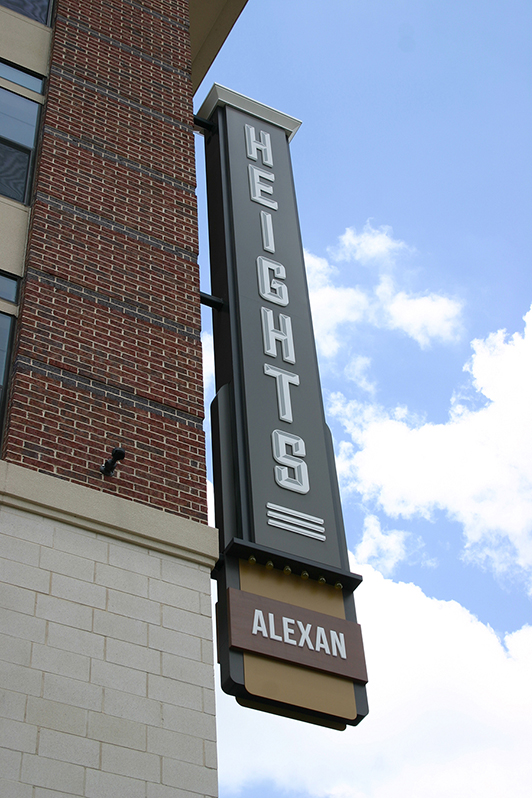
108, 347
106, 676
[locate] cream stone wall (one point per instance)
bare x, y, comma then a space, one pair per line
14, 219
24, 41
106, 659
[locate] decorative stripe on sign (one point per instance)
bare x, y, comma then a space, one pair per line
302, 524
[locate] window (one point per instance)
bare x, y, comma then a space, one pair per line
34, 9
6, 324
8, 287
8, 294
19, 117
16, 75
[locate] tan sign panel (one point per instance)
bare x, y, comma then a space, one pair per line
295, 634
301, 690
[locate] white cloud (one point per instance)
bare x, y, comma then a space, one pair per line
423, 317
450, 712
382, 550
208, 364
370, 246
332, 308
477, 467
356, 370
210, 503
319, 272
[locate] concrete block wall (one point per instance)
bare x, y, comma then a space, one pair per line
106, 664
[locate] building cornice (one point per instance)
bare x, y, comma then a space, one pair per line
41, 494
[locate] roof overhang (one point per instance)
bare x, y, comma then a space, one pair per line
210, 24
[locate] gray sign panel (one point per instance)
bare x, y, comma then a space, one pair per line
275, 476
276, 490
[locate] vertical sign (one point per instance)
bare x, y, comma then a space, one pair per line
277, 499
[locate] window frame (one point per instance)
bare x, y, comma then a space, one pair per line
38, 99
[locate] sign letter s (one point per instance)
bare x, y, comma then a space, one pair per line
299, 482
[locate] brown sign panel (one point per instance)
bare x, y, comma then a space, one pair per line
295, 634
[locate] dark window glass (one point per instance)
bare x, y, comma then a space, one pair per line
5, 340
6, 337
21, 78
18, 123
18, 118
8, 288
34, 9
14, 170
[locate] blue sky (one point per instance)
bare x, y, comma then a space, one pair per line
413, 176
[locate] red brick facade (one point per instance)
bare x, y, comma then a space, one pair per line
108, 343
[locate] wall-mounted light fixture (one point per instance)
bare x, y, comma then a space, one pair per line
108, 468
